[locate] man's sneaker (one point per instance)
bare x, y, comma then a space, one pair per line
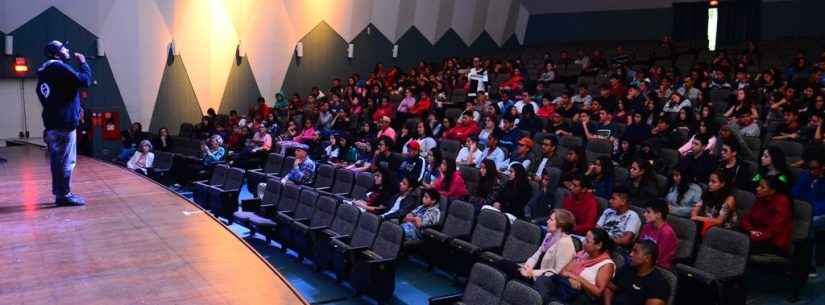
70, 200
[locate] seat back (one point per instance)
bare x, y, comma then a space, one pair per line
234, 179
672, 283
344, 179
460, 219
289, 163
363, 183
219, 175
570, 141
685, 230
661, 184
274, 163
366, 230
723, 253
324, 175
620, 175
186, 130
603, 204
522, 242
324, 212
518, 293
306, 204
346, 218
490, 229
793, 150
484, 286
290, 195
272, 192
801, 220
598, 147
163, 160
389, 240
471, 178
670, 158
449, 147
744, 200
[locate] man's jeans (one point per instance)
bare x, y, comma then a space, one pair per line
62, 156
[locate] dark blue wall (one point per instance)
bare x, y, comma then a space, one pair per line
620, 25
241, 90
796, 18
412, 48
176, 102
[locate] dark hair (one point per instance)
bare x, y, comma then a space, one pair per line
434, 194
682, 187
733, 145
607, 167
649, 248
447, 177
779, 162
600, 236
702, 138
776, 184
486, 183
647, 168
660, 206
520, 182
717, 199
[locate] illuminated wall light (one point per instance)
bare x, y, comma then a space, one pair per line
299, 49
395, 51
9, 45
713, 21
350, 50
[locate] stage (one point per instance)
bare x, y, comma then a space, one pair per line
135, 242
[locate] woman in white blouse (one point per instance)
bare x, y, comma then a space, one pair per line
142, 160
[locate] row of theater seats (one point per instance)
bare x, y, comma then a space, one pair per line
464, 236
334, 235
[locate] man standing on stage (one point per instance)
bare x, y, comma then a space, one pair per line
58, 88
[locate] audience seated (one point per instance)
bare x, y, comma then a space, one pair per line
403, 203
658, 230
488, 185
162, 142
718, 206
141, 160
582, 204
600, 173
303, 170
449, 183
620, 222
769, 223
639, 282
381, 194
587, 275
682, 194
470, 153
516, 192
555, 251
641, 184
424, 215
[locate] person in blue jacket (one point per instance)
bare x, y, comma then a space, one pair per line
58, 88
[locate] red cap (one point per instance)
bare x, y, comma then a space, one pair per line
413, 145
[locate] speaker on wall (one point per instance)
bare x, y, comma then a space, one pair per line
9, 45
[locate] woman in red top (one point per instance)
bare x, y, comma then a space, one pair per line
468, 127
547, 108
449, 182
386, 109
769, 222
515, 83
422, 107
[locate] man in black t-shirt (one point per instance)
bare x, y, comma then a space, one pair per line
640, 283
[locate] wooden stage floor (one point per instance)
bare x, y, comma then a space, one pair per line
131, 244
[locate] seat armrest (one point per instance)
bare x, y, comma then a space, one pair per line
446, 299
341, 194
697, 274
256, 170
323, 188
303, 221
251, 204
318, 228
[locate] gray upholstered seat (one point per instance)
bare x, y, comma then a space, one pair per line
518, 293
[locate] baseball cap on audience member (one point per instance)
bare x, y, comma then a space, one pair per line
53, 48
526, 142
413, 145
